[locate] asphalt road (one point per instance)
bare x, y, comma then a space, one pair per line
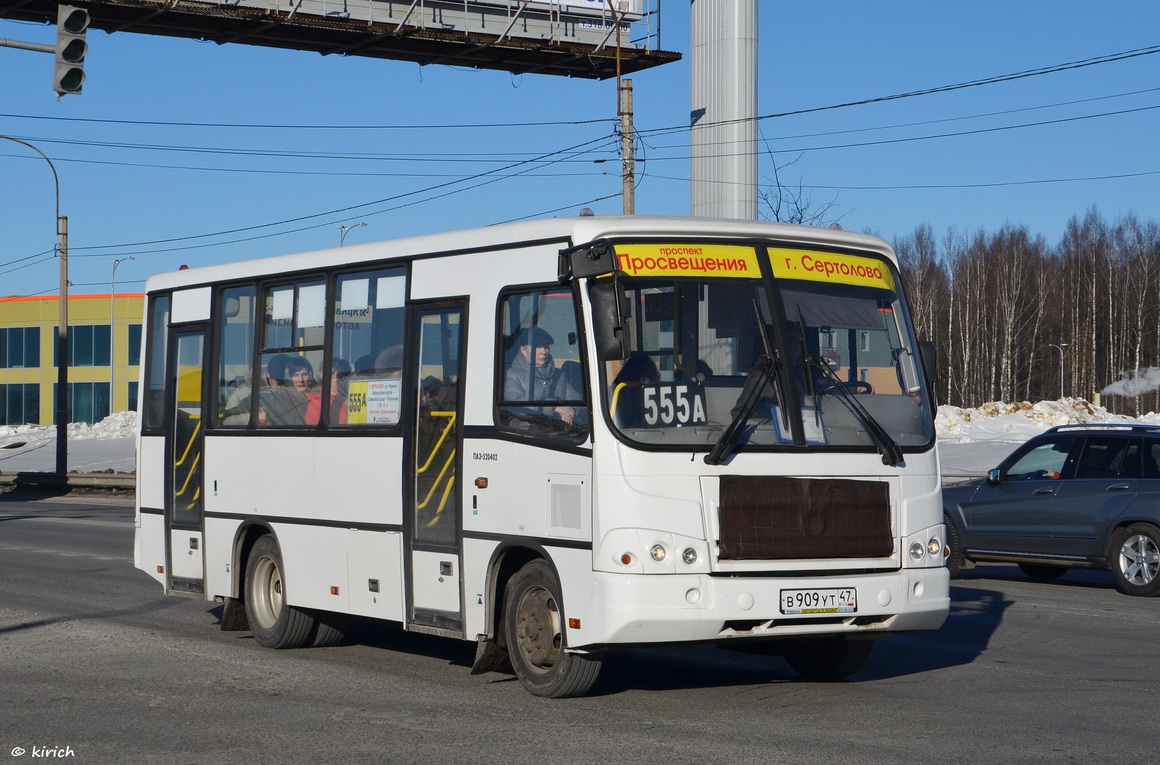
98, 667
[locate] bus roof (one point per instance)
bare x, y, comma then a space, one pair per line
566, 231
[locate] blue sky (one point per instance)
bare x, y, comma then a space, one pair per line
309, 135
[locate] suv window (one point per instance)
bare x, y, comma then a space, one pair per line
1045, 460
1110, 457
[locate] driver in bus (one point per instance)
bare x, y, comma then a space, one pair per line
534, 376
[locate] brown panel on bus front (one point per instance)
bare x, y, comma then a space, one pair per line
776, 518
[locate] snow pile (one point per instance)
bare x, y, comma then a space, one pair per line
118, 425
972, 441
105, 447
1022, 418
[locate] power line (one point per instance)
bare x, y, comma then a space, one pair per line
352, 208
934, 186
241, 125
958, 134
1053, 69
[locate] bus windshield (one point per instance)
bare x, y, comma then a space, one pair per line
824, 359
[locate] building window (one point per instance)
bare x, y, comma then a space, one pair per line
88, 346
19, 347
864, 341
134, 357
20, 404
87, 402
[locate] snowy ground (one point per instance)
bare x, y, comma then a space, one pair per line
971, 441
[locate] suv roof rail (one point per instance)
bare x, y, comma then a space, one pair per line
1134, 427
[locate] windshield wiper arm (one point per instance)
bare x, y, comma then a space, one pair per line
889, 449
759, 376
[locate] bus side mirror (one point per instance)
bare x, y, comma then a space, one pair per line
609, 311
592, 259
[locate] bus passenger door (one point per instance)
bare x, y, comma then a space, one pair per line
433, 504
184, 500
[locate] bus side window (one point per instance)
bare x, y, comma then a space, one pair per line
293, 330
236, 357
368, 326
540, 383
155, 379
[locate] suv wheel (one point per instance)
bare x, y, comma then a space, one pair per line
1135, 559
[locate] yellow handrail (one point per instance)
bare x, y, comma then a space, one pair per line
192, 439
442, 438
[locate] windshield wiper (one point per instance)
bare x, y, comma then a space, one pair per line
889, 449
760, 375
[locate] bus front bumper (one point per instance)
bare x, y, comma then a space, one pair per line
635, 608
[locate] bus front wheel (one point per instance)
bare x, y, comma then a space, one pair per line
534, 622
274, 622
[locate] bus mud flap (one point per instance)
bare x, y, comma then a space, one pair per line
489, 657
234, 617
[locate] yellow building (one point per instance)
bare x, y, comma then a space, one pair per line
101, 328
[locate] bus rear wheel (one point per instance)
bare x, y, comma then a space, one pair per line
835, 657
534, 624
274, 622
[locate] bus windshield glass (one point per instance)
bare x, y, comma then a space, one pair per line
812, 350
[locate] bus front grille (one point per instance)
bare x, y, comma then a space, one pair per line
779, 518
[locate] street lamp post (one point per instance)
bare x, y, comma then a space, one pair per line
113, 329
343, 230
62, 413
1059, 348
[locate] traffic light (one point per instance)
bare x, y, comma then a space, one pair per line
69, 72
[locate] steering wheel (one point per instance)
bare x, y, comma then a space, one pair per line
856, 387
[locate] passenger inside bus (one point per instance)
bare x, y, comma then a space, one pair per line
389, 362
281, 402
533, 376
306, 395
340, 371
627, 395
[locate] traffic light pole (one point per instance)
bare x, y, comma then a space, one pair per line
39, 47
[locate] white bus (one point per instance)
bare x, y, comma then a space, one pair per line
553, 439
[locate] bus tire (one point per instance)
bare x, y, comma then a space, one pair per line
331, 629
834, 657
274, 622
534, 623
954, 560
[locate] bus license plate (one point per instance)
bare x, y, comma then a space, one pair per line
838, 600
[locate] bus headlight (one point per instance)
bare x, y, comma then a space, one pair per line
917, 551
689, 556
934, 546
658, 553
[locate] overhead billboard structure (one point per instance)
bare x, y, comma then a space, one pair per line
577, 38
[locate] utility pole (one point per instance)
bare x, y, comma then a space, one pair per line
62, 411
627, 147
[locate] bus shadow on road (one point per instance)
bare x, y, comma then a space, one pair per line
974, 616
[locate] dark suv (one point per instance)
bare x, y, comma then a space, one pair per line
1075, 496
